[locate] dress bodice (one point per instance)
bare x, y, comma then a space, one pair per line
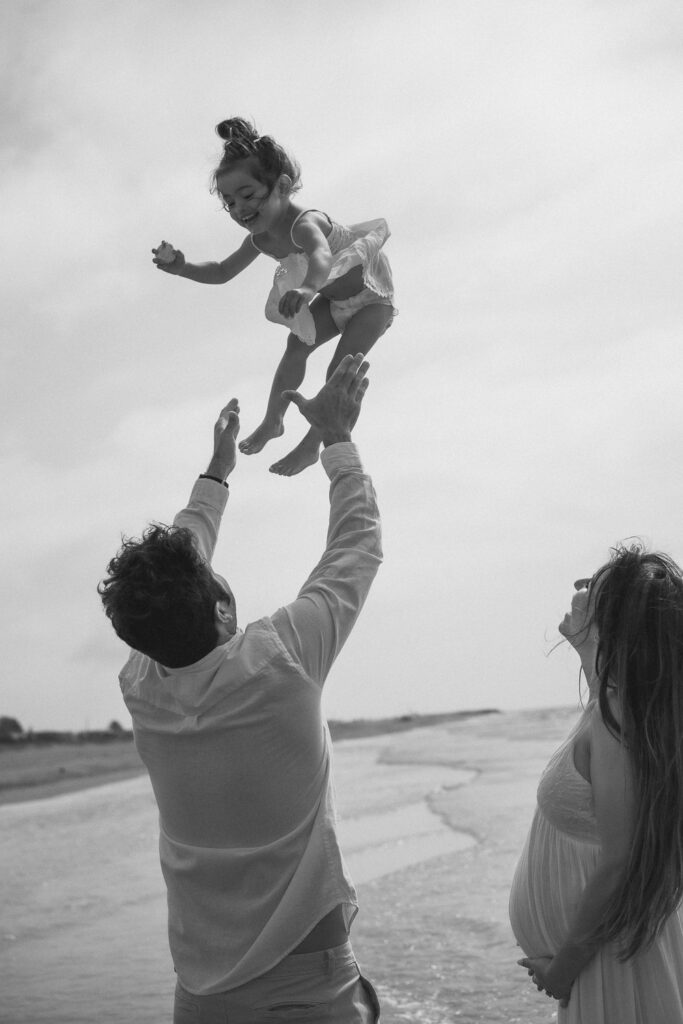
351, 246
564, 797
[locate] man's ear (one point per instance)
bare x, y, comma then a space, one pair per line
224, 619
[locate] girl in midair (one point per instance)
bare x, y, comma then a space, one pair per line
331, 279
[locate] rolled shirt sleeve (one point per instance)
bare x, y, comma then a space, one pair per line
203, 514
317, 624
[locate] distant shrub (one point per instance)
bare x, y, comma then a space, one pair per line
52, 737
10, 728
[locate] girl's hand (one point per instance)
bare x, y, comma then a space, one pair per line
174, 266
537, 968
292, 301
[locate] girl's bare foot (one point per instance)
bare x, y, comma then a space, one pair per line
261, 436
305, 454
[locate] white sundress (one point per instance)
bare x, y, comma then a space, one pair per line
351, 246
559, 856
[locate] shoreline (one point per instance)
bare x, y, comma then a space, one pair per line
447, 915
38, 771
432, 821
30, 792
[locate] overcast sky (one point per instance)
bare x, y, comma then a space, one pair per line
524, 411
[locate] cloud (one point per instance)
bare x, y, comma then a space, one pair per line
523, 411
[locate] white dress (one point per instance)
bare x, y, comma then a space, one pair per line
351, 246
559, 856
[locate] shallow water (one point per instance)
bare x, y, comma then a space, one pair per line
83, 930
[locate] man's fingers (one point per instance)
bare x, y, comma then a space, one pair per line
358, 378
347, 365
352, 365
228, 419
227, 425
233, 422
294, 396
362, 370
357, 398
232, 406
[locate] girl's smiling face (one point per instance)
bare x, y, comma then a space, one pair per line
250, 203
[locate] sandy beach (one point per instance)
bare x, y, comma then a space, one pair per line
432, 822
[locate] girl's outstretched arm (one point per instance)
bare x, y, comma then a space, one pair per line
212, 273
312, 240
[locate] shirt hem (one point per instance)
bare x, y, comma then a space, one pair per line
218, 987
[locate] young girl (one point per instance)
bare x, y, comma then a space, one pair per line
330, 279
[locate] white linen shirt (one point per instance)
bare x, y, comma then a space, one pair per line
239, 755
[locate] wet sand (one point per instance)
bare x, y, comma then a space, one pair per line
432, 822
435, 936
32, 771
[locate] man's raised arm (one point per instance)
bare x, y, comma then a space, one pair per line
317, 624
210, 493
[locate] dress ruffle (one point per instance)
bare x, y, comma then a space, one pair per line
352, 246
362, 244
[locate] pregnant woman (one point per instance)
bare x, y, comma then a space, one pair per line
595, 897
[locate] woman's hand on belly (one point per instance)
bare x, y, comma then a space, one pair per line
538, 968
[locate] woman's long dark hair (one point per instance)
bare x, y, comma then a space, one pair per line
638, 612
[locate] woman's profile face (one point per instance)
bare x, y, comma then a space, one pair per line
574, 625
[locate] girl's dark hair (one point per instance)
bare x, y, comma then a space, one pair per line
160, 596
267, 159
638, 612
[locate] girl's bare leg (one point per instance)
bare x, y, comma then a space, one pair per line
360, 334
289, 375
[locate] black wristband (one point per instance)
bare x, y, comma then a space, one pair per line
207, 476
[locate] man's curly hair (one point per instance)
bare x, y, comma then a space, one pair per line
160, 595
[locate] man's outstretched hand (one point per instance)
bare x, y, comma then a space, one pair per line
225, 441
334, 410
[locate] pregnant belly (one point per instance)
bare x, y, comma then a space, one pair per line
547, 887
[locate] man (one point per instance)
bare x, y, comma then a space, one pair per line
229, 726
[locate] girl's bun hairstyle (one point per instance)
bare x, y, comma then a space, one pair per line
267, 158
236, 133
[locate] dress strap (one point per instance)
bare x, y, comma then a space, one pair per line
298, 218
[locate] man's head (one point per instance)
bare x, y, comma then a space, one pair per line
164, 600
